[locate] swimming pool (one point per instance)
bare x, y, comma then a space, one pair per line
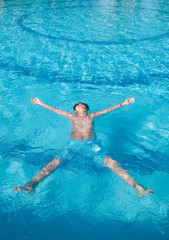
99, 52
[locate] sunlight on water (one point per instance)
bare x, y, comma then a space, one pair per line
98, 52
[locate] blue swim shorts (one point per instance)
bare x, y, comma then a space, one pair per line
83, 154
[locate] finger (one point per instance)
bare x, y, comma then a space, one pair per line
150, 191
132, 100
33, 101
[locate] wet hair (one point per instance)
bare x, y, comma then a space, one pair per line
87, 107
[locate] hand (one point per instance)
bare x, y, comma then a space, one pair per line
128, 101
36, 101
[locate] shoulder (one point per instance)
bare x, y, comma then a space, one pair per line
72, 116
92, 115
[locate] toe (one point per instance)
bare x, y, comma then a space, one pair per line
18, 189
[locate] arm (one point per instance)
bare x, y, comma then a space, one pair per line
99, 113
56, 110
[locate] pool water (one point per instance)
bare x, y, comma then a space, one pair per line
98, 52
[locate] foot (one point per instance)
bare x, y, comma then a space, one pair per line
142, 191
24, 189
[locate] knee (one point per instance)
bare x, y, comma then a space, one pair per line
54, 163
57, 161
109, 162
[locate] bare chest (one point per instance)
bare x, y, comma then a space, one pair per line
82, 121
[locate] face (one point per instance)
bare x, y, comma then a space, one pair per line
80, 108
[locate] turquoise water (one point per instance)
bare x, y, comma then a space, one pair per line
99, 52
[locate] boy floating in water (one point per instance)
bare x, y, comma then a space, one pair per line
83, 130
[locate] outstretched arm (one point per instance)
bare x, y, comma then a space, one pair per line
99, 113
56, 110
47, 170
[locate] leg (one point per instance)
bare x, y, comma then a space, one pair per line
47, 170
114, 166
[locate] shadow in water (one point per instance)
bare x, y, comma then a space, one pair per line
22, 152
38, 157
156, 161
47, 76
124, 41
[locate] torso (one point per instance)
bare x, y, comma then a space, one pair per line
83, 128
